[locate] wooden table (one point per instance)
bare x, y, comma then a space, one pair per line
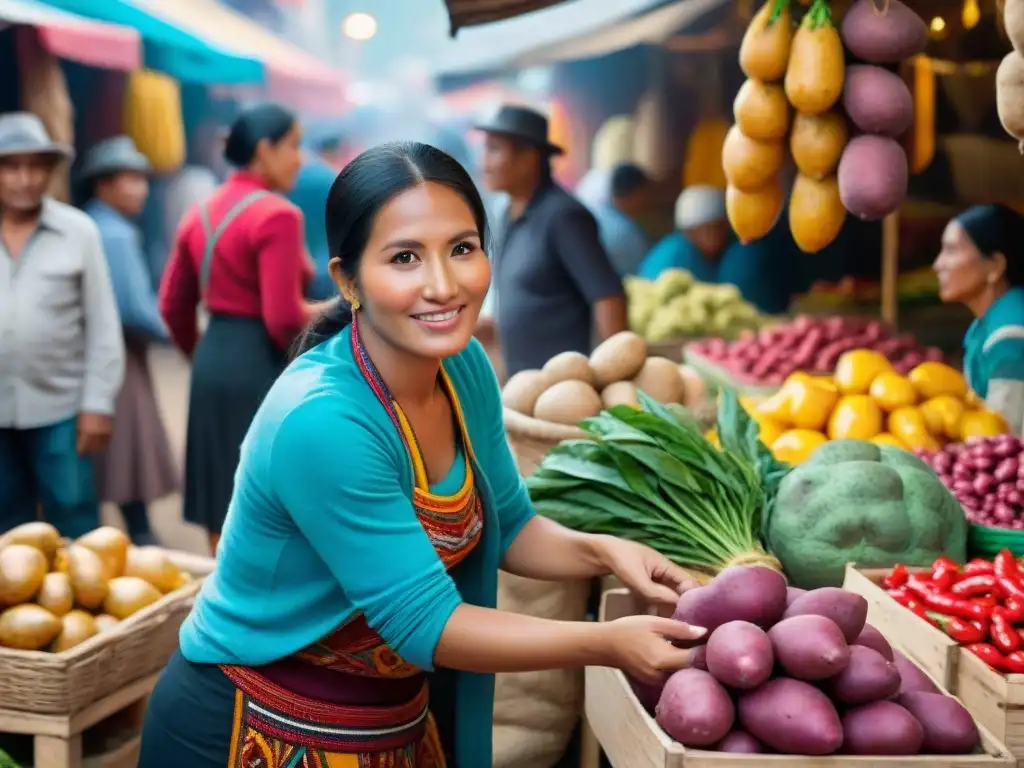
58, 738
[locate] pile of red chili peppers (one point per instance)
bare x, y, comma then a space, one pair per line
980, 605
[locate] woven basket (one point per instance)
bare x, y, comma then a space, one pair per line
532, 438
67, 682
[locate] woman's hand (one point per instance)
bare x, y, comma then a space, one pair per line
642, 646
646, 572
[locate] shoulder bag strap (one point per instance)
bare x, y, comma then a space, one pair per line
213, 236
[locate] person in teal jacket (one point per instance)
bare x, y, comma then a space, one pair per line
981, 265
351, 618
704, 245
309, 193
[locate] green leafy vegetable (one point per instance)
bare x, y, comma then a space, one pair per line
651, 476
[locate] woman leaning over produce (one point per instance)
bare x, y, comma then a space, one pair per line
375, 500
981, 265
241, 254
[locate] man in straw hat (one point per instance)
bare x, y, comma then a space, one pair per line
553, 280
61, 353
138, 467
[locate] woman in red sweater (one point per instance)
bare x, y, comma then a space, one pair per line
241, 255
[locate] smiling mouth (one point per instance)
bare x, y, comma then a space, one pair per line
439, 317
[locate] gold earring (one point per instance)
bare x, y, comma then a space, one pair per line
355, 305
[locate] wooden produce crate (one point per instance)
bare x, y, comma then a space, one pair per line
631, 739
43, 683
994, 699
930, 648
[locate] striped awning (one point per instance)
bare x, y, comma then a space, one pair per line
468, 13
293, 76
69, 36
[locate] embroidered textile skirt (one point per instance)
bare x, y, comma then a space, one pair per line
234, 366
138, 465
202, 716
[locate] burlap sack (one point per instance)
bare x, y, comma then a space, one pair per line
535, 712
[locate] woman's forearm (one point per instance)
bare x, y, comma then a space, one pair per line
479, 639
548, 551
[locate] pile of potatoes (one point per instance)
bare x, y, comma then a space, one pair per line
572, 387
56, 594
798, 86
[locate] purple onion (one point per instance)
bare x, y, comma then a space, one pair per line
1017, 525
961, 471
983, 482
1004, 513
1013, 496
984, 463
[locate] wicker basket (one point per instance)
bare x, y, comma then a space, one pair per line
532, 438
63, 683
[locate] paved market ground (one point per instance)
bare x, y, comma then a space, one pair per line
170, 372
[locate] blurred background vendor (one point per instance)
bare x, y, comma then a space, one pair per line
704, 245
981, 266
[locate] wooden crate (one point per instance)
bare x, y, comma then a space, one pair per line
58, 737
631, 739
996, 700
929, 647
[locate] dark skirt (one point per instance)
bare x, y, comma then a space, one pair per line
138, 464
234, 366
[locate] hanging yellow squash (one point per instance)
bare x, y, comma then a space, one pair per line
152, 117
703, 164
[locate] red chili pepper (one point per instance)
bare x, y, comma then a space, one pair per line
1004, 636
974, 586
917, 608
901, 595
922, 580
989, 654
964, 632
950, 605
978, 566
1014, 663
1008, 573
897, 578
1013, 608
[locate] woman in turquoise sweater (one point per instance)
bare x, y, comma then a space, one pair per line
981, 266
351, 619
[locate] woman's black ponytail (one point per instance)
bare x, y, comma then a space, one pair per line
331, 322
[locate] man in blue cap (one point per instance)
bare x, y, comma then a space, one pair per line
137, 467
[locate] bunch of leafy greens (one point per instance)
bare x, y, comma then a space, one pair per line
650, 475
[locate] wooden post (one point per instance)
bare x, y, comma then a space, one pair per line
890, 268
44, 91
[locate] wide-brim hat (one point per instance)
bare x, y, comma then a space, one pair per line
23, 133
522, 123
114, 155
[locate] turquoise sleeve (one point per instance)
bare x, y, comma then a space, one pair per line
514, 508
342, 488
1005, 360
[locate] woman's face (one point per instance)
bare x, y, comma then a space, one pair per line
423, 274
711, 238
280, 161
962, 271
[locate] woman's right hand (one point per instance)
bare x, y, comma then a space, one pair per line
642, 646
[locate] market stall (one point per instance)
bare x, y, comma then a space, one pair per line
87, 626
